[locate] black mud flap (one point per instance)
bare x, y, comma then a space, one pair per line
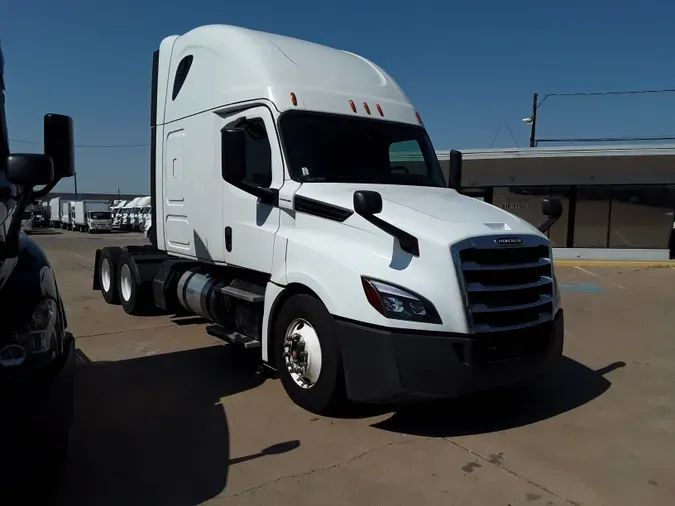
96, 283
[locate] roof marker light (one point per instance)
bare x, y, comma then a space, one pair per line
379, 109
365, 106
419, 118
351, 104
294, 99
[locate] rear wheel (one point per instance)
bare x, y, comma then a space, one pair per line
108, 267
308, 355
135, 296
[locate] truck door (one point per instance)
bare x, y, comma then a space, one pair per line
249, 227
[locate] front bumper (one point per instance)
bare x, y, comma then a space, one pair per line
385, 366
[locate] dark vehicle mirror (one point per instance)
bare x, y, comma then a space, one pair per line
233, 154
59, 144
551, 207
455, 175
30, 169
367, 203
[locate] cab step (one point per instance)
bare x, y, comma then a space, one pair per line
232, 336
243, 294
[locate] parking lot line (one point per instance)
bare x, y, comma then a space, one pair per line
586, 271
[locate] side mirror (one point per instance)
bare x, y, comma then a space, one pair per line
59, 144
551, 207
367, 203
30, 170
233, 154
455, 176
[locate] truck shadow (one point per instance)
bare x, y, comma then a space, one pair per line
572, 385
152, 430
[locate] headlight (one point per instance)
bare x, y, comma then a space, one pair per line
399, 304
40, 337
36, 337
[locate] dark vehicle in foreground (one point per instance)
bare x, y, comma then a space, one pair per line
37, 353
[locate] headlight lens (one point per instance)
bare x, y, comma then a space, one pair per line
42, 327
399, 304
36, 337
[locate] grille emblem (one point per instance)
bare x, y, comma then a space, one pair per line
509, 241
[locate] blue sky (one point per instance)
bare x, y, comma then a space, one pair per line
469, 67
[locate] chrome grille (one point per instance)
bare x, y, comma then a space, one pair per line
505, 287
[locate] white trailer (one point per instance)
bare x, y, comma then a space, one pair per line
84, 220
282, 213
67, 214
55, 212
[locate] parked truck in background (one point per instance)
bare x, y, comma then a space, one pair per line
284, 212
67, 214
27, 221
116, 212
99, 221
142, 207
55, 212
126, 213
83, 221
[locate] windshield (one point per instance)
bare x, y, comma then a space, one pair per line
334, 148
99, 215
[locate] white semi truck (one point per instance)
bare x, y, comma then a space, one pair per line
283, 213
91, 216
116, 211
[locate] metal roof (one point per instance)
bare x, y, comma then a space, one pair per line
567, 165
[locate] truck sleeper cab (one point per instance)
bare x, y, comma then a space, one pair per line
297, 203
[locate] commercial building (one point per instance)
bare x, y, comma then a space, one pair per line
618, 200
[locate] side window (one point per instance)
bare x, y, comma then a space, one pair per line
406, 160
181, 75
258, 153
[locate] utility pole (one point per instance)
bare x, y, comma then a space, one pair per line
534, 120
75, 181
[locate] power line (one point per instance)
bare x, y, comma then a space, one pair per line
504, 123
605, 93
90, 146
511, 134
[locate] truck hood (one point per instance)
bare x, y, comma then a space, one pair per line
423, 211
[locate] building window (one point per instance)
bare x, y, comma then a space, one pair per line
181, 75
641, 216
591, 218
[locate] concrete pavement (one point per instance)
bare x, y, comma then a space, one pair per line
166, 414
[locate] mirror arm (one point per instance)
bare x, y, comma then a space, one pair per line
10, 248
408, 242
266, 195
44, 191
547, 224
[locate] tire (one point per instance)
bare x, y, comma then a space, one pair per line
108, 269
135, 296
327, 393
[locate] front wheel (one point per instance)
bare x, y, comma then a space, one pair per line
308, 355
